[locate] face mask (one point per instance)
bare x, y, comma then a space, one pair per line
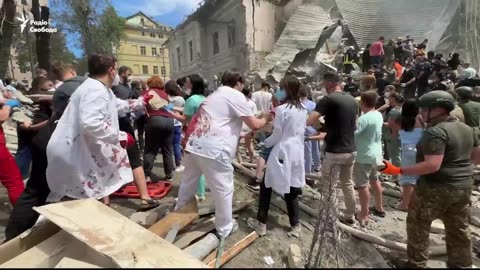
280, 95
387, 94
116, 80
188, 91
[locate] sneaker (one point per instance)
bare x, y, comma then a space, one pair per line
254, 184
180, 168
234, 230
295, 231
259, 227
377, 213
345, 220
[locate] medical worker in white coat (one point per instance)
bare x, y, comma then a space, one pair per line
212, 137
285, 172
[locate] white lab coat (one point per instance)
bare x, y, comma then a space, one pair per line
85, 159
287, 140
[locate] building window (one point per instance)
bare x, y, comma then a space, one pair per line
231, 36
143, 34
155, 69
190, 49
152, 35
161, 51
160, 35
154, 51
216, 47
143, 50
163, 71
142, 21
178, 58
145, 69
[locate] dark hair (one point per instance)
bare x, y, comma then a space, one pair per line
181, 81
397, 97
368, 46
440, 75
37, 82
198, 85
264, 84
409, 114
136, 84
98, 64
455, 56
332, 77
379, 75
8, 81
381, 38
123, 69
172, 89
292, 89
232, 77
40, 72
247, 92
303, 92
431, 54
369, 99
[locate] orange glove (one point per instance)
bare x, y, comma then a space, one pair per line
390, 169
129, 142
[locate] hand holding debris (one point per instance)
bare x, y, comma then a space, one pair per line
390, 169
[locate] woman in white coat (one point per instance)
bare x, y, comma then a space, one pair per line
285, 172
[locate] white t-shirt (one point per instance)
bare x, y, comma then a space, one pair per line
263, 100
177, 101
216, 129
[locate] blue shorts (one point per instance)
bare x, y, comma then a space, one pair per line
265, 153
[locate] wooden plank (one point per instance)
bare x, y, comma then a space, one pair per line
50, 252
75, 264
235, 250
184, 217
32, 237
108, 232
191, 236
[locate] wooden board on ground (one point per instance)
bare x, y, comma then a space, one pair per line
75, 264
50, 252
235, 250
172, 233
27, 240
183, 217
191, 236
108, 232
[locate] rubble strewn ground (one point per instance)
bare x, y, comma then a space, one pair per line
276, 243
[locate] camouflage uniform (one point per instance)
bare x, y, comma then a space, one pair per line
444, 194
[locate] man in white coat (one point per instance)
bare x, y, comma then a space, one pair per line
212, 138
86, 153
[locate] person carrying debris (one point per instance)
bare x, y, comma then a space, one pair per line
444, 163
285, 172
212, 139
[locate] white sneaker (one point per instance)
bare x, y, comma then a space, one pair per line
180, 168
259, 227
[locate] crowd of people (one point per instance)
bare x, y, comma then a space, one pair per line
416, 121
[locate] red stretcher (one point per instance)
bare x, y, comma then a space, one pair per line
156, 190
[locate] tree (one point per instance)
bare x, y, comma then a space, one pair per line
95, 23
42, 39
7, 15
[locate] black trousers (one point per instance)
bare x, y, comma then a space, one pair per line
291, 199
23, 217
159, 137
133, 152
140, 125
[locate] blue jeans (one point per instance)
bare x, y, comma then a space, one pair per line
177, 149
311, 153
409, 158
23, 158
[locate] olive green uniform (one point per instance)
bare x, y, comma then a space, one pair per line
444, 194
471, 111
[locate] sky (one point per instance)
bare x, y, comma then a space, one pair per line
168, 12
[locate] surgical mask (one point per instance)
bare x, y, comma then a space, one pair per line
387, 94
280, 95
188, 91
116, 80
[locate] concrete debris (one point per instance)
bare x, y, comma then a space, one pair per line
295, 257
475, 216
366, 255
146, 219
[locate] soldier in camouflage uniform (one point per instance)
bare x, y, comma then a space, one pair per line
444, 163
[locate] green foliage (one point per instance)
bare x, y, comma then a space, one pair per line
95, 23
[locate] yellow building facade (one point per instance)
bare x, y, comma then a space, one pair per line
143, 47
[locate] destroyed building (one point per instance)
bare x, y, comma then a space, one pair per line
306, 38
